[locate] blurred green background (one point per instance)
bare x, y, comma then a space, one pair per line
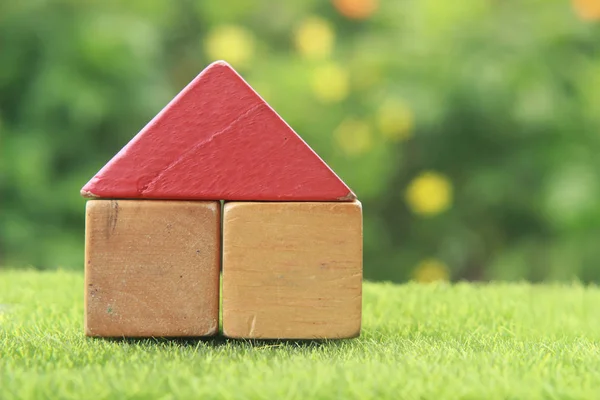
469, 130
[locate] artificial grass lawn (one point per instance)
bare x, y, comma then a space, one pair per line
419, 342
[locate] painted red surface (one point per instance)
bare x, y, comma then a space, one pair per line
218, 140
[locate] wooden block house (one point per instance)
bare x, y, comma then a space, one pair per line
287, 240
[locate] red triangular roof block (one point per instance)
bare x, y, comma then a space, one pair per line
218, 140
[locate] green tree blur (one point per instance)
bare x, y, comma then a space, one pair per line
469, 130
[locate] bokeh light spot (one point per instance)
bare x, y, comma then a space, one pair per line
354, 137
315, 38
330, 83
395, 120
588, 10
356, 9
231, 43
431, 270
429, 194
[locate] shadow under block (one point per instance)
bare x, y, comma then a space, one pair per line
292, 270
152, 268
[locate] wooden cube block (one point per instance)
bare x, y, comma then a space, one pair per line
292, 270
152, 268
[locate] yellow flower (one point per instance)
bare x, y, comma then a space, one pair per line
429, 194
431, 270
395, 120
231, 43
353, 137
356, 9
330, 83
315, 38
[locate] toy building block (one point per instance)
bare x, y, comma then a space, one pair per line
218, 140
292, 270
152, 268
292, 265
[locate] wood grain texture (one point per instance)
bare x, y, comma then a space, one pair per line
218, 140
292, 270
152, 268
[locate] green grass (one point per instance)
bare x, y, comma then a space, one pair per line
419, 342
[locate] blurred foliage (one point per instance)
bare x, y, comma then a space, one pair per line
469, 130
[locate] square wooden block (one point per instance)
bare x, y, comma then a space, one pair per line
152, 268
292, 270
